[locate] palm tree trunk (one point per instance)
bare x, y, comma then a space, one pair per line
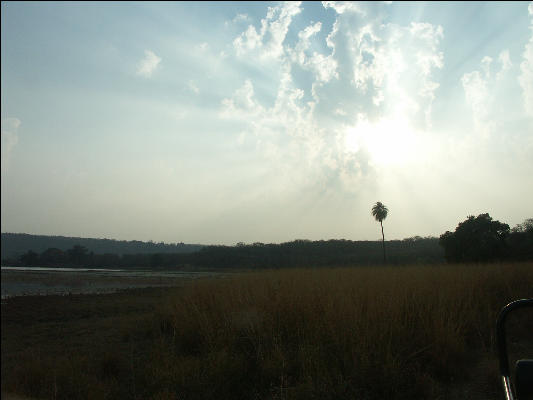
383, 235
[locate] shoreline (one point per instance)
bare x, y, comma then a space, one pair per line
17, 283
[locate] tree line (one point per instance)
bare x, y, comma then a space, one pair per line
297, 253
477, 239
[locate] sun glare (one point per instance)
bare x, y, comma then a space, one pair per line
389, 141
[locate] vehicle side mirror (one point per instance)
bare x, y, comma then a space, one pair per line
524, 368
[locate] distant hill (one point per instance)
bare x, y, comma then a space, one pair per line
16, 244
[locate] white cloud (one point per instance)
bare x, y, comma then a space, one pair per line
341, 7
148, 64
330, 38
241, 18
274, 27
298, 54
378, 71
505, 59
242, 103
323, 67
526, 70
284, 135
477, 96
371, 64
340, 111
238, 19
485, 64
310, 31
481, 89
247, 41
203, 46
9, 130
287, 116
390, 66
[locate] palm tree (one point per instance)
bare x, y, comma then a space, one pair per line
379, 211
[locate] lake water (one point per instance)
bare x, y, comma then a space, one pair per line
43, 269
20, 281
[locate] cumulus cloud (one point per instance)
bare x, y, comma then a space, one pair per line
274, 27
385, 68
369, 76
477, 96
284, 134
324, 67
481, 88
148, 64
287, 118
485, 64
242, 103
341, 7
298, 53
526, 70
505, 59
387, 65
10, 128
239, 18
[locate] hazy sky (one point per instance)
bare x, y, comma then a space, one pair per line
226, 122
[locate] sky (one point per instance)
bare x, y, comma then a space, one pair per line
226, 122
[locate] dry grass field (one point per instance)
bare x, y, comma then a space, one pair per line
412, 332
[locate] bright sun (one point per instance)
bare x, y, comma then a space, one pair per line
389, 141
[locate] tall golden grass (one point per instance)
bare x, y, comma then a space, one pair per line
389, 332
408, 332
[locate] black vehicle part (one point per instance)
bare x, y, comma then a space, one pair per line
524, 368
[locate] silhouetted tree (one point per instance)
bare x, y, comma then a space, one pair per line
53, 257
526, 226
108, 260
29, 258
520, 241
156, 260
77, 254
380, 211
476, 239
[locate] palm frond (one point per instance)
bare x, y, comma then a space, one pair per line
379, 211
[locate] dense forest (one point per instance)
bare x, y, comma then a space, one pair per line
298, 253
